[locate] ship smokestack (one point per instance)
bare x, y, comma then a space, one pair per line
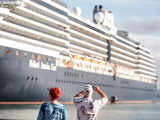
95, 10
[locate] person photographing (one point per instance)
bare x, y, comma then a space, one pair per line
87, 108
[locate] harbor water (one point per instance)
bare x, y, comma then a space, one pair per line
110, 112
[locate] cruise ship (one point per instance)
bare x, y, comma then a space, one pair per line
43, 43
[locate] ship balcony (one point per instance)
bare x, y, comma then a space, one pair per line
33, 24
9, 3
28, 47
80, 35
148, 78
116, 60
85, 32
146, 72
145, 54
126, 41
29, 41
146, 59
90, 30
43, 9
123, 57
57, 4
145, 67
121, 51
125, 47
139, 61
87, 51
32, 33
39, 17
88, 45
141, 47
89, 23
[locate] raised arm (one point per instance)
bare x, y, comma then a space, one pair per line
100, 102
100, 92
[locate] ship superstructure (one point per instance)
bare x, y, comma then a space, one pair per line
50, 45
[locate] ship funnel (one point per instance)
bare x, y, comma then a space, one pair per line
98, 14
99, 17
100, 7
77, 11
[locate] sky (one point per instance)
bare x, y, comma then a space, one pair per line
141, 18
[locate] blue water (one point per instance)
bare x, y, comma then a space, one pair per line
110, 112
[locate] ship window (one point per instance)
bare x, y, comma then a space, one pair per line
17, 53
8, 51
25, 54
27, 77
32, 78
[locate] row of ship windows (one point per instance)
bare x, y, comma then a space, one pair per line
81, 82
99, 84
132, 46
31, 78
25, 54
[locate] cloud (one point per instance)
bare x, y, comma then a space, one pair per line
142, 26
149, 41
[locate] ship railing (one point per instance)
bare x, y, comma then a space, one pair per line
123, 51
122, 61
30, 41
143, 69
122, 56
87, 37
87, 50
9, 4
45, 10
85, 32
146, 63
33, 33
88, 44
145, 54
126, 47
60, 3
128, 42
40, 18
89, 30
145, 58
31, 23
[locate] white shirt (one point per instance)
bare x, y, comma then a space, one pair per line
87, 109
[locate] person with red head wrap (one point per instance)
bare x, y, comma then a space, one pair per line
52, 110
